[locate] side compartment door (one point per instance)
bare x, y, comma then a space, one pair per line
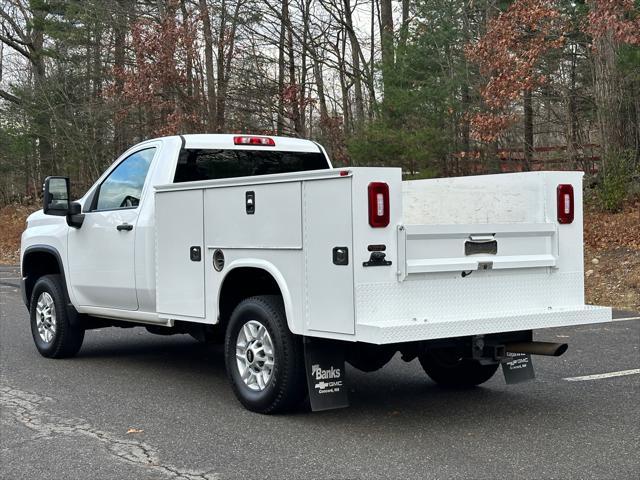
101, 252
329, 256
180, 255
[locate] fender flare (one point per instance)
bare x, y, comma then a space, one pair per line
39, 248
272, 270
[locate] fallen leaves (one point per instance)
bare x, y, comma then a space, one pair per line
12, 224
612, 258
610, 230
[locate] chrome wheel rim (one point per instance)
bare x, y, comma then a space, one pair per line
46, 317
255, 355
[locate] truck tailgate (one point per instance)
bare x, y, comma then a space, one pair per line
479, 255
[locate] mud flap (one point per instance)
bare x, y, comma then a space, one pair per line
326, 379
517, 368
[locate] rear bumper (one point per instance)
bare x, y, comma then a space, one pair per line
417, 329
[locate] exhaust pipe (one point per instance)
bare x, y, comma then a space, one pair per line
549, 349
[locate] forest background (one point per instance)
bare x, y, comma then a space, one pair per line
437, 87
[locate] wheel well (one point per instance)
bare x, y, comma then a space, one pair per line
241, 283
35, 264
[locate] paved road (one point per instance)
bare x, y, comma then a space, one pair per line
68, 419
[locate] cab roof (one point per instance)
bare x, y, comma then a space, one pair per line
226, 141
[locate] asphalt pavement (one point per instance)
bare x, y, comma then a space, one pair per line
139, 406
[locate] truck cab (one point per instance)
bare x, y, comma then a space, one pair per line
108, 261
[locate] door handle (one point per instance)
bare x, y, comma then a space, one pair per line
124, 226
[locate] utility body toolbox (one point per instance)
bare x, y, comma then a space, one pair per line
359, 255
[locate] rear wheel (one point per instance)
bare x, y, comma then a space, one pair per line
446, 367
264, 360
51, 329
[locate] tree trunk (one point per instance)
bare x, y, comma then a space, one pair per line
41, 122
225, 61
355, 61
208, 61
404, 28
322, 99
295, 102
281, 66
370, 83
607, 98
220, 99
303, 72
189, 59
572, 114
340, 49
528, 129
386, 45
119, 37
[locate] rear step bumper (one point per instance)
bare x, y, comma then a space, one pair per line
411, 330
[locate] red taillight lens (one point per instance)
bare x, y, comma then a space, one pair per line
565, 203
260, 141
378, 204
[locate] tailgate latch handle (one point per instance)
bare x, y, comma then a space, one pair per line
481, 245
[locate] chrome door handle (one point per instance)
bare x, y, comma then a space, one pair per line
124, 226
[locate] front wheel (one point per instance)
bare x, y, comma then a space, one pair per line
445, 367
52, 332
264, 360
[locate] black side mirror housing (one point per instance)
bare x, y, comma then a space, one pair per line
56, 196
75, 216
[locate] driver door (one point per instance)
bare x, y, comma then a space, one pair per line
101, 252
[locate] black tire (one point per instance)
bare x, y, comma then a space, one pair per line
446, 368
367, 357
286, 386
66, 339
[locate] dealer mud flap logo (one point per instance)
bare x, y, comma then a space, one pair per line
517, 368
332, 383
324, 361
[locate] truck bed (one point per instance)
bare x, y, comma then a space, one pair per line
469, 255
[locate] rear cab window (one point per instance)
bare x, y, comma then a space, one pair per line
213, 164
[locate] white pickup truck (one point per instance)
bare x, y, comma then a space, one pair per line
296, 266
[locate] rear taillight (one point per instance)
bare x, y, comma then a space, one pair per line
259, 141
565, 203
378, 204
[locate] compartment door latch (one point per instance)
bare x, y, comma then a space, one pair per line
250, 202
195, 253
377, 259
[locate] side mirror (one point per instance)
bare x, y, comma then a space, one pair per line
75, 217
56, 196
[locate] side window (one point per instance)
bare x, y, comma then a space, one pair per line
123, 187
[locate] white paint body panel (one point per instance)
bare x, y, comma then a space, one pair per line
535, 279
104, 274
276, 223
328, 288
175, 272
